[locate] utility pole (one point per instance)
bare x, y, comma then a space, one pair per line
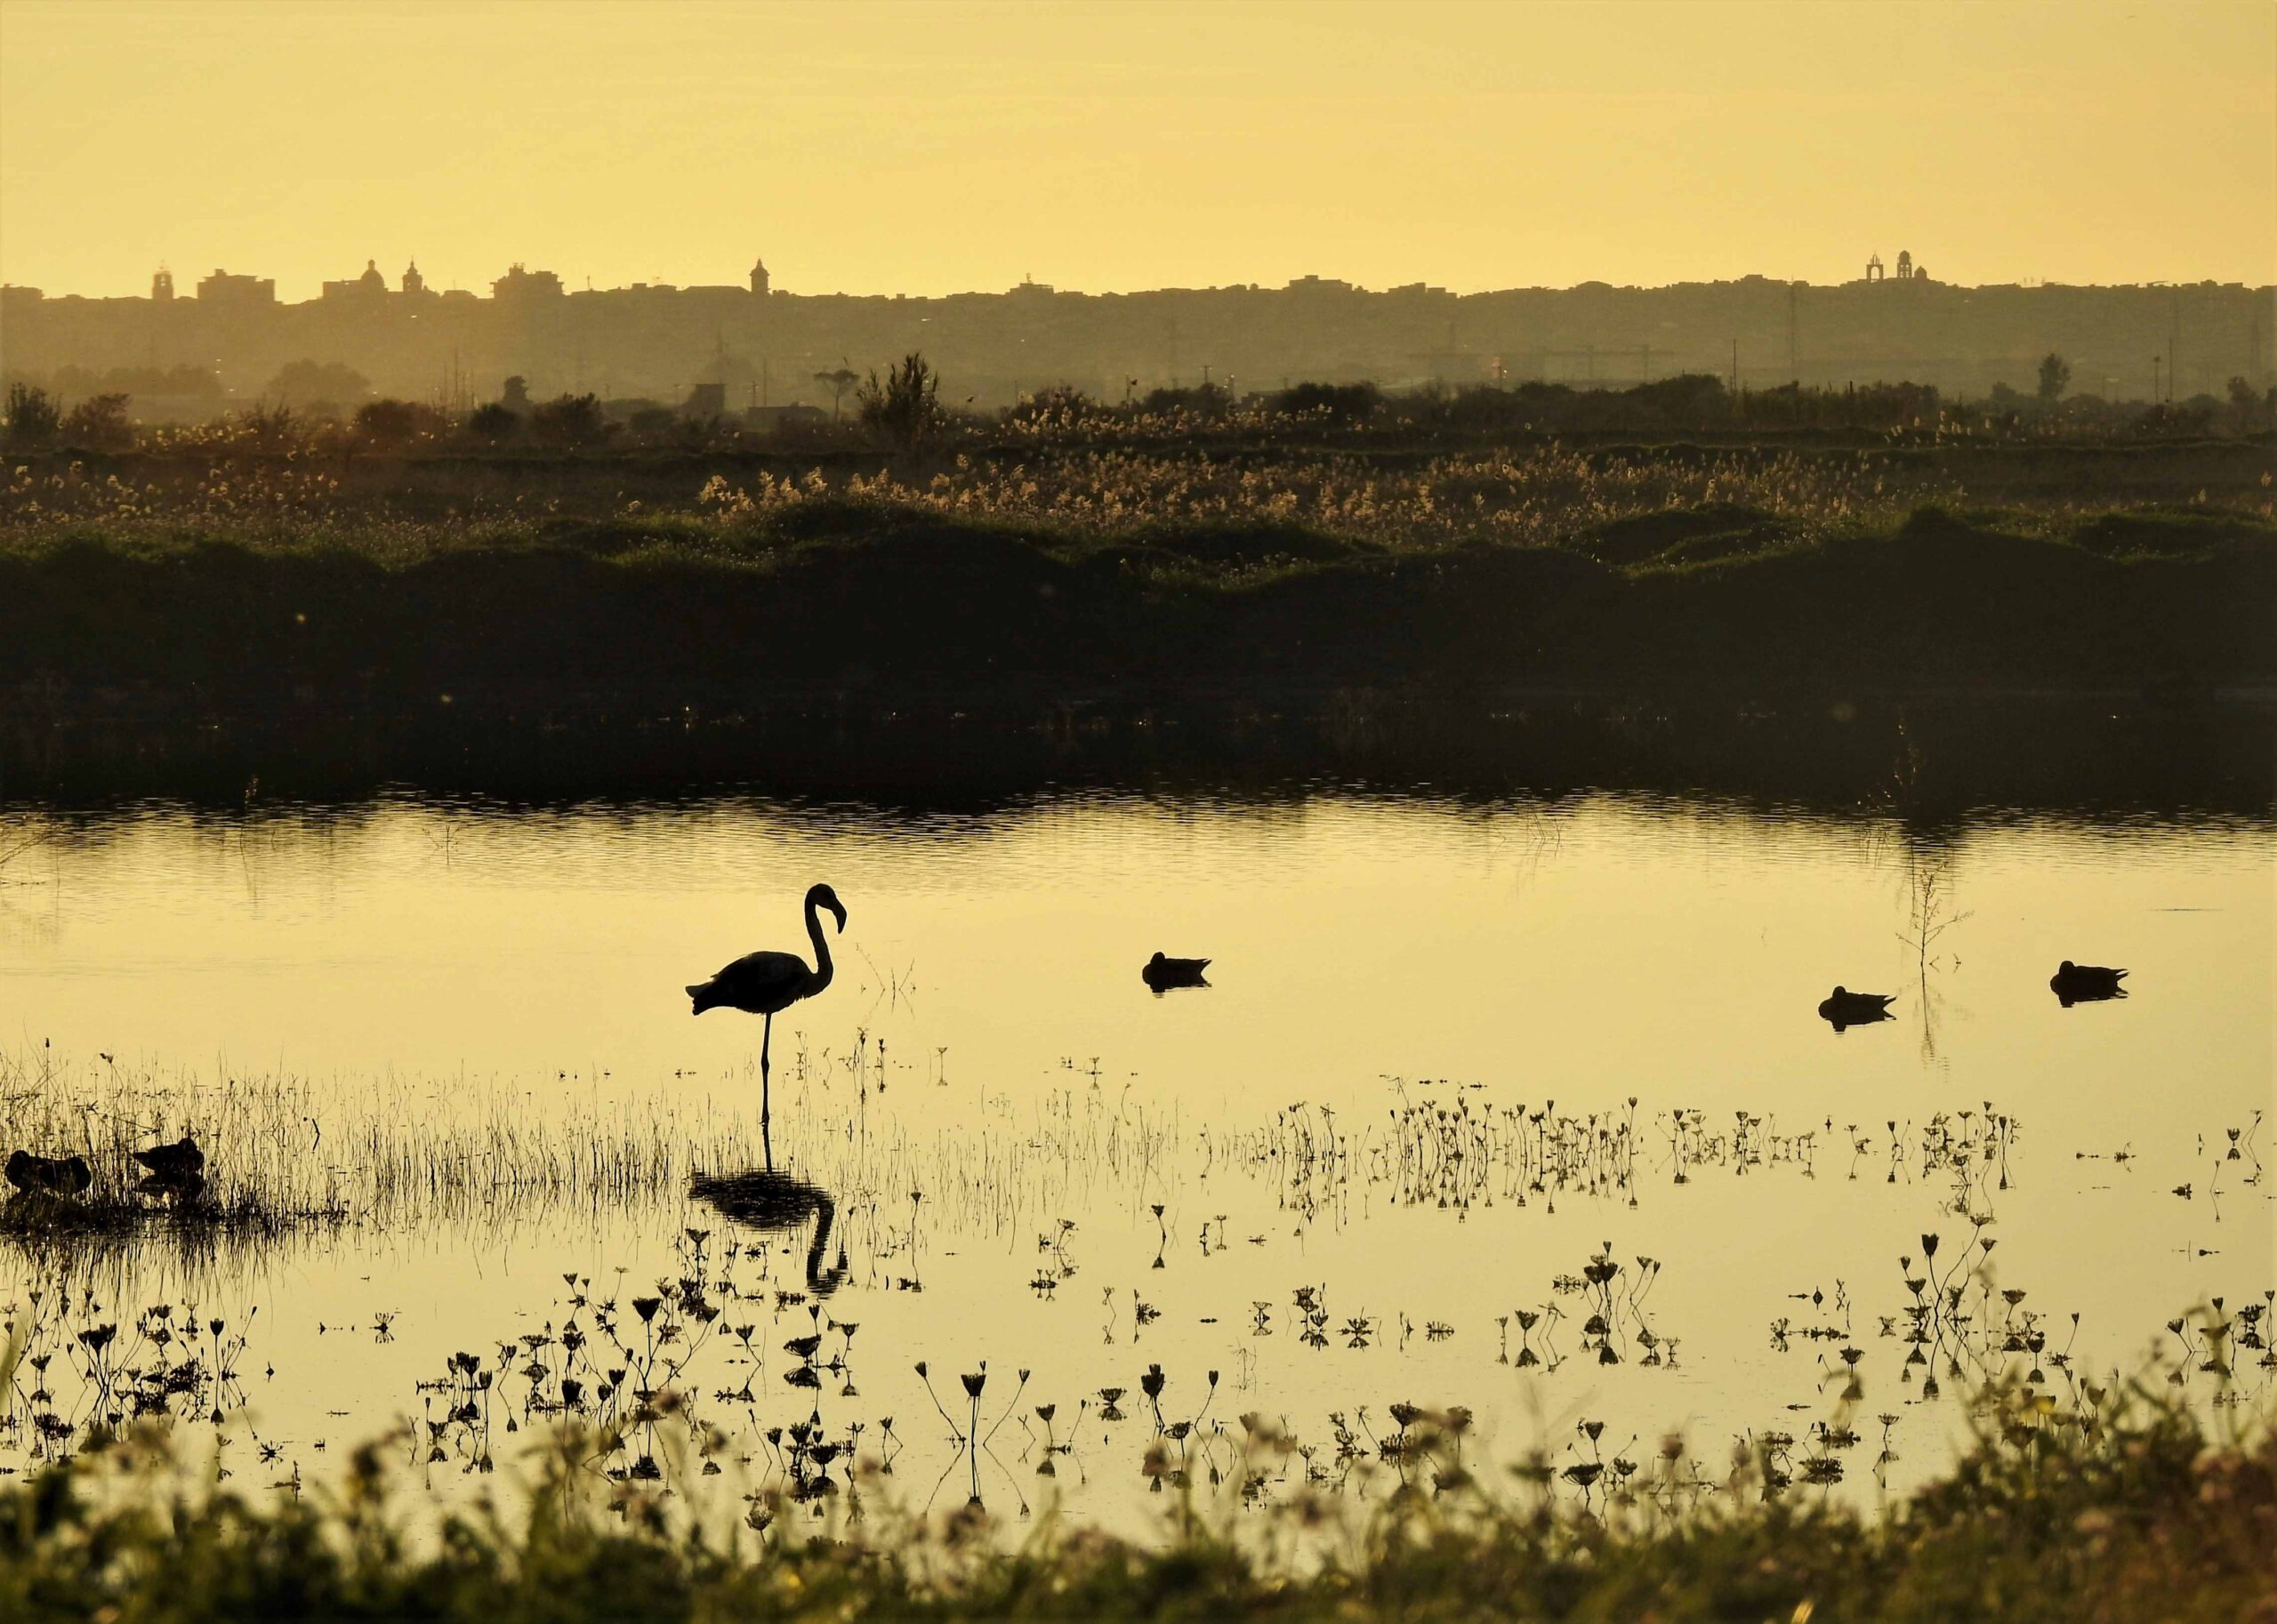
2174, 335
1794, 341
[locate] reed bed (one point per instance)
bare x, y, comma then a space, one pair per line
285, 1152
1081, 492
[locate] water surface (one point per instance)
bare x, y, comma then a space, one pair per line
1649, 960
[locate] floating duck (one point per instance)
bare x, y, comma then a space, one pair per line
1843, 1008
50, 1175
2086, 984
1162, 971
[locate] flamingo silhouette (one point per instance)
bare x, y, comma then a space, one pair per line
772, 1201
767, 983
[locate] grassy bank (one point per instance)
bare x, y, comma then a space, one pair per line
1103, 574
2130, 1513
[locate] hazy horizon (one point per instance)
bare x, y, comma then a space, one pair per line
1120, 149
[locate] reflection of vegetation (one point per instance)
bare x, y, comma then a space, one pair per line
2128, 1510
19, 835
1930, 913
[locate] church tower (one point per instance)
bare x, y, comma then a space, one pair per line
162, 286
413, 282
759, 277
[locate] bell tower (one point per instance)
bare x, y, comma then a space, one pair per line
759, 277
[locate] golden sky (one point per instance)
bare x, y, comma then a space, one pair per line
938, 147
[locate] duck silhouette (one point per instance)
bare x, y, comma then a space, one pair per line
1842, 1008
2086, 984
49, 1175
183, 1190
764, 1199
1162, 972
177, 1162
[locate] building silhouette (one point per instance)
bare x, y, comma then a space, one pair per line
653, 344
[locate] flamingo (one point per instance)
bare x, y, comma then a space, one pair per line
772, 1201
767, 983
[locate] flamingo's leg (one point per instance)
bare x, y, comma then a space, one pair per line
765, 1138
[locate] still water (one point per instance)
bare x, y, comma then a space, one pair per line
1643, 970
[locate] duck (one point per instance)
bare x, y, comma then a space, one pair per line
1843, 1008
2086, 984
176, 1163
183, 1190
50, 1175
1162, 971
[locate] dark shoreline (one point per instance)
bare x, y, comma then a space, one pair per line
1930, 763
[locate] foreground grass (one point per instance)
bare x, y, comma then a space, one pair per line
2134, 1514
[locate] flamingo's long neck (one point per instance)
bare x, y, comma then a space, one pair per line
822, 969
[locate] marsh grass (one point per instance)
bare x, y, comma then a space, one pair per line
1192, 511
286, 1153
2138, 1510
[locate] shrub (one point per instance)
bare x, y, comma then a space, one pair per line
494, 423
99, 424
906, 408
567, 422
307, 383
1340, 403
389, 425
32, 417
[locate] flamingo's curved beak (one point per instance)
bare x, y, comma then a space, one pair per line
838, 909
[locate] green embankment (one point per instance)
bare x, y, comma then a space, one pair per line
860, 602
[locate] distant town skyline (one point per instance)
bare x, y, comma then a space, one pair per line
168, 281
930, 151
